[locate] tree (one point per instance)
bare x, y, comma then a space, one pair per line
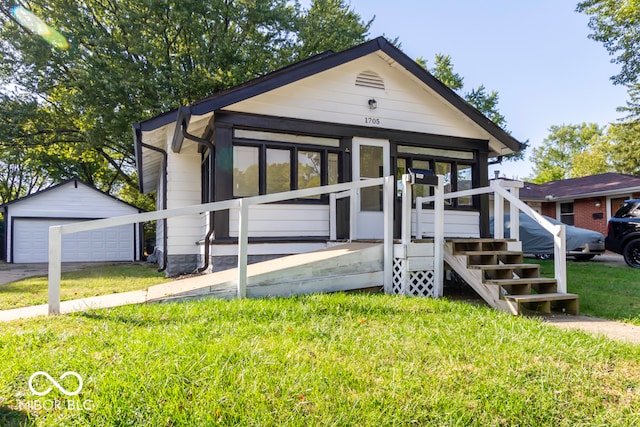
616, 23
570, 151
625, 138
130, 60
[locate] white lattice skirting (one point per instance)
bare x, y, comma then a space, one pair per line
415, 283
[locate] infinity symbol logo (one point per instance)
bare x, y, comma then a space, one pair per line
55, 383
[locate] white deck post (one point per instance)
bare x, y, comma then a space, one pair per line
560, 257
419, 218
55, 268
498, 215
388, 193
333, 219
243, 243
406, 209
514, 215
438, 237
353, 210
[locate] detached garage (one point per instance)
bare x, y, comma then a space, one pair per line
28, 220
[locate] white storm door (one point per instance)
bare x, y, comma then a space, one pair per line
371, 159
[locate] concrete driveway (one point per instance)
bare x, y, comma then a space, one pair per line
609, 258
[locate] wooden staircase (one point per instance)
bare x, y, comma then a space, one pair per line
495, 270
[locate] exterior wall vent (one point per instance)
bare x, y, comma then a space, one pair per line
370, 79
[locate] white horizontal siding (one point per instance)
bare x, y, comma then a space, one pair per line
278, 220
183, 189
332, 96
456, 223
69, 201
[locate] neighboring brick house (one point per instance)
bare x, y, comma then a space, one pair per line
586, 202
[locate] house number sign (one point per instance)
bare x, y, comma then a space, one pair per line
371, 120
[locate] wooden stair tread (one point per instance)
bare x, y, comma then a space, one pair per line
504, 266
469, 253
521, 281
480, 240
556, 296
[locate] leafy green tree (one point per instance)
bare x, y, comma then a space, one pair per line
625, 153
570, 151
616, 23
130, 60
329, 25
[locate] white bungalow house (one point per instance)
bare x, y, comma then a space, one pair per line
366, 112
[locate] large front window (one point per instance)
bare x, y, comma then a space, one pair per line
272, 166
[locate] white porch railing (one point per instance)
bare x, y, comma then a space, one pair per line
499, 189
388, 184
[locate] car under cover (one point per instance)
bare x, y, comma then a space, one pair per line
536, 240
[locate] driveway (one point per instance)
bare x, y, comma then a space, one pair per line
12, 272
609, 258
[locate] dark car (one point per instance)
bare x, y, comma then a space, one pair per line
623, 236
582, 244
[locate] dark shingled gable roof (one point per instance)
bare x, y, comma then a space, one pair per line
577, 187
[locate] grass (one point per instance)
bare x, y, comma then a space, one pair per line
99, 280
605, 291
327, 360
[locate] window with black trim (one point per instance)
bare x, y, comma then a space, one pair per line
458, 173
566, 213
273, 166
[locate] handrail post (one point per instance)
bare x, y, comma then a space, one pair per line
55, 268
243, 244
353, 210
560, 257
406, 209
438, 237
498, 215
514, 215
388, 193
419, 232
333, 216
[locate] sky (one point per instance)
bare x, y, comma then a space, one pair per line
535, 53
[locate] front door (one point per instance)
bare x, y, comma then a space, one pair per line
371, 159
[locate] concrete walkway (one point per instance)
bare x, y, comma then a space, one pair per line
611, 329
220, 285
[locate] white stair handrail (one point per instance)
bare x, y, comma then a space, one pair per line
500, 194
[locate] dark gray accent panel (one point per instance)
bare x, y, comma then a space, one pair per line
483, 181
181, 264
223, 177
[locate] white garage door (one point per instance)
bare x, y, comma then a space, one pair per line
31, 242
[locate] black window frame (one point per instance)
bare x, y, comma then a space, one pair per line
294, 149
410, 158
562, 214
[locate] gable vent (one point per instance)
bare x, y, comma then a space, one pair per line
370, 79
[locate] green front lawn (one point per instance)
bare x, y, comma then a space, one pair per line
606, 291
98, 280
334, 360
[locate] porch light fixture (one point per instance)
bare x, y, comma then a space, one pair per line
373, 104
598, 203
